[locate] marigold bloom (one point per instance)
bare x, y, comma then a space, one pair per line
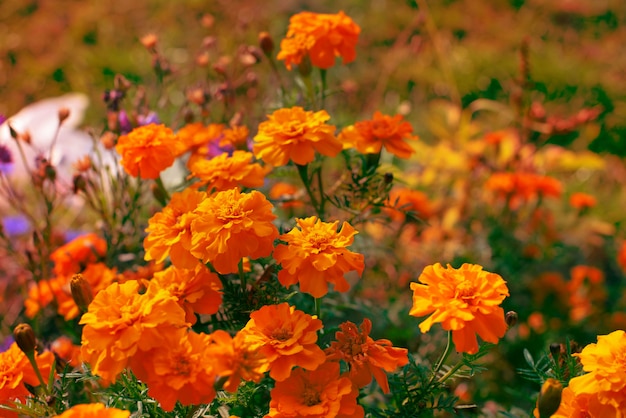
42, 294
287, 338
370, 136
195, 137
316, 254
197, 291
148, 150
120, 321
585, 290
286, 194
179, 369
321, 393
523, 187
169, 231
15, 370
237, 359
227, 171
605, 381
295, 134
72, 257
94, 410
403, 200
465, 300
582, 201
321, 37
231, 225
66, 350
365, 356
97, 275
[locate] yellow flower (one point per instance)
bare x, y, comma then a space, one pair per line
605, 381
466, 301
148, 150
295, 134
316, 254
225, 171
231, 225
321, 37
370, 136
120, 322
169, 231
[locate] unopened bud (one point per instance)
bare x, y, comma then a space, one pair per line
25, 338
108, 140
79, 183
266, 43
64, 113
555, 350
50, 173
149, 41
197, 96
121, 84
13, 132
388, 178
511, 318
549, 398
81, 292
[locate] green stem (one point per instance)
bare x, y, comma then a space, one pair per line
320, 185
318, 308
443, 358
304, 175
242, 276
162, 195
323, 73
451, 372
33, 363
310, 91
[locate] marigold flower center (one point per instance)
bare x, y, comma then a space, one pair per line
465, 290
182, 366
311, 396
281, 334
230, 213
319, 241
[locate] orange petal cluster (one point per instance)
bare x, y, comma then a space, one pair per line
197, 291
225, 171
465, 301
16, 370
321, 393
367, 358
178, 369
603, 387
93, 410
120, 322
231, 225
521, 187
321, 37
402, 200
582, 201
316, 254
169, 231
294, 135
287, 337
74, 256
370, 136
148, 150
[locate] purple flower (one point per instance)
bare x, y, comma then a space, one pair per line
15, 225
151, 117
124, 121
4, 345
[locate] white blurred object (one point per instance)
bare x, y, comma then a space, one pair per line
40, 120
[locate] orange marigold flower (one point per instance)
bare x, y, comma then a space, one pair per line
287, 338
365, 356
465, 300
97, 275
72, 257
225, 171
605, 380
120, 322
237, 359
321, 37
65, 349
179, 369
286, 194
94, 410
295, 134
169, 231
403, 200
370, 136
585, 290
16, 370
316, 254
321, 393
197, 291
237, 136
42, 294
195, 135
230, 225
582, 201
148, 150
523, 187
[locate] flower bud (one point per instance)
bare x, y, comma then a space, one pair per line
549, 398
81, 292
511, 318
64, 113
555, 350
25, 338
108, 140
266, 43
12, 131
79, 183
149, 41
